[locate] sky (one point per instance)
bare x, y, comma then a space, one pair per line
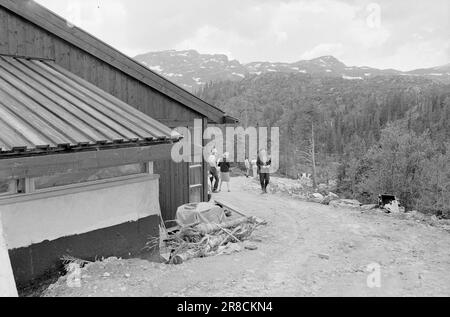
400, 34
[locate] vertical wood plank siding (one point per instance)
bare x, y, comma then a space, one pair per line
22, 38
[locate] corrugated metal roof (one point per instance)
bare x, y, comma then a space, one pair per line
44, 107
59, 27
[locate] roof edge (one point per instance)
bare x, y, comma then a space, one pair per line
58, 26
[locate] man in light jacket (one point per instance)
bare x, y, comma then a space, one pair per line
263, 164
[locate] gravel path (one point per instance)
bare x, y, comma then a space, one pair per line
307, 249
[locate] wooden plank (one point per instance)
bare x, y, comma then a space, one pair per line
204, 163
4, 32
34, 166
229, 206
12, 34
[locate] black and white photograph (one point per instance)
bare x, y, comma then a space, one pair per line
224, 154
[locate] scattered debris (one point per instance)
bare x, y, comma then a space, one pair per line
329, 198
323, 256
208, 239
385, 199
368, 207
346, 203
392, 207
69, 262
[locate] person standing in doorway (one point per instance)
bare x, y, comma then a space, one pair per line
213, 170
264, 163
224, 172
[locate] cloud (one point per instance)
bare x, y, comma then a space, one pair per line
400, 34
335, 49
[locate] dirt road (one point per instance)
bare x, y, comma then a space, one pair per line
307, 249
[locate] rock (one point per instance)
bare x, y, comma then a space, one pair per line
329, 198
251, 247
317, 195
351, 202
333, 195
127, 275
368, 207
316, 198
323, 256
106, 274
345, 203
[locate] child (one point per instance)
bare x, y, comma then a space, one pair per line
224, 172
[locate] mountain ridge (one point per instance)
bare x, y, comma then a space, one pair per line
192, 70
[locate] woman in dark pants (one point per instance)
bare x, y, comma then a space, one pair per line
263, 164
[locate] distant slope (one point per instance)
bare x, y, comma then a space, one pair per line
346, 110
192, 70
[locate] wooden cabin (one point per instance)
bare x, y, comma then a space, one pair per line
85, 139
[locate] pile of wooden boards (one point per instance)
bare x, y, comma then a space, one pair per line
208, 239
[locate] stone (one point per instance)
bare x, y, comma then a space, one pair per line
345, 204
251, 247
106, 274
368, 207
351, 202
333, 195
329, 198
324, 256
317, 196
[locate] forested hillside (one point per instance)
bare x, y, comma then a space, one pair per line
383, 134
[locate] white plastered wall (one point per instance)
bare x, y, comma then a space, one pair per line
33, 218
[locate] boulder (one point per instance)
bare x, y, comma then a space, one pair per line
333, 195
317, 198
329, 198
351, 202
346, 203
317, 195
368, 207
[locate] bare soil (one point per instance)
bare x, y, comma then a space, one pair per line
307, 249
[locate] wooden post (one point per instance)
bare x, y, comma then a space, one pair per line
7, 283
313, 155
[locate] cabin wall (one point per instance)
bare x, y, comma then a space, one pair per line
61, 221
22, 38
